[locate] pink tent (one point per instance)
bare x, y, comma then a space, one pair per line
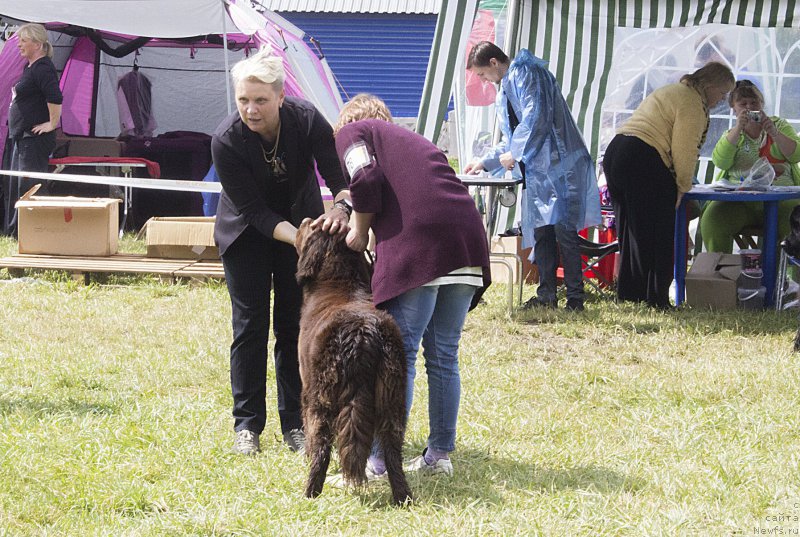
188, 72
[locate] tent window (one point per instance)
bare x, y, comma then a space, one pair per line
644, 59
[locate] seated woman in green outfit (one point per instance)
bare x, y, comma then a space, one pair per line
755, 135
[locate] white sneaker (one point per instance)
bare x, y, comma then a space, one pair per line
246, 443
792, 287
337, 480
419, 465
792, 304
372, 475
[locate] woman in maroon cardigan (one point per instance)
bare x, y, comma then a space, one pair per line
432, 256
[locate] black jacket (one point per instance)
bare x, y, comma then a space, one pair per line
250, 195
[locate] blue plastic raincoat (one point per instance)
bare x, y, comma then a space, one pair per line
560, 180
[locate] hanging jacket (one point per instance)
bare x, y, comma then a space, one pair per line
135, 103
560, 180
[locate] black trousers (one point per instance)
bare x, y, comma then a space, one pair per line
30, 154
643, 192
253, 264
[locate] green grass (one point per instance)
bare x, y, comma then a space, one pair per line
115, 420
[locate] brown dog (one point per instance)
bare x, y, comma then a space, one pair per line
351, 363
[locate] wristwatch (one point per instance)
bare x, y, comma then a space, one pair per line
345, 205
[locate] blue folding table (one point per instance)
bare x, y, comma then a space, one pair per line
770, 198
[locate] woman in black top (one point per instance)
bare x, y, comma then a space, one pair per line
265, 156
33, 116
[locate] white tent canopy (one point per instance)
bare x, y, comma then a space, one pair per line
148, 18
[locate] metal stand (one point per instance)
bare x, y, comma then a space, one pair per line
127, 191
783, 266
494, 187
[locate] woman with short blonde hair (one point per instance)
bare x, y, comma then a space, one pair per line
404, 190
263, 67
36, 33
266, 155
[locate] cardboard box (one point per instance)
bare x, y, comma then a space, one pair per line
181, 237
500, 272
712, 280
67, 225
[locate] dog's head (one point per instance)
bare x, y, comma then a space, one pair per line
325, 257
792, 241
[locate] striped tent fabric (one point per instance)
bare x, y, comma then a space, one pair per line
452, 29
577, 38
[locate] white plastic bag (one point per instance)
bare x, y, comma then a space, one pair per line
760, 176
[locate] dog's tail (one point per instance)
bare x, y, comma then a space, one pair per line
355, 424
390, 407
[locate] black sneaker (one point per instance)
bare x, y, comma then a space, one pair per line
536, 303
574, 304
511, 232
296, 440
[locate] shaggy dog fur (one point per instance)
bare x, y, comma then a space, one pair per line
352, 365
791, 244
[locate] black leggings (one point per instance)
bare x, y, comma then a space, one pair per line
643, 192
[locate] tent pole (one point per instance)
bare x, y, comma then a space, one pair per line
511, 44
227, 67
512, 26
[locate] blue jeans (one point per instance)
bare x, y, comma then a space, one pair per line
434, 316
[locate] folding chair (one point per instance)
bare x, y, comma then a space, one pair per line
598, 259
783, 265
597, 262
748, 237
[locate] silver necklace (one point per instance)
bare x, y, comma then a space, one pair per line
270, 157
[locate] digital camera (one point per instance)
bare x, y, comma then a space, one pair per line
754, 115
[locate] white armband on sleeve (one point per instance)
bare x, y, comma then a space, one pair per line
356, 157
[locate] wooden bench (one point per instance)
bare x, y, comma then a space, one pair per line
84, 267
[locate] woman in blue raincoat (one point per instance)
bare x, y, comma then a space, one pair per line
560, 186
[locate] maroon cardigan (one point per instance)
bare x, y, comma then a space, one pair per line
426, 223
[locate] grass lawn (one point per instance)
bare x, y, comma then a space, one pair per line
115, 420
